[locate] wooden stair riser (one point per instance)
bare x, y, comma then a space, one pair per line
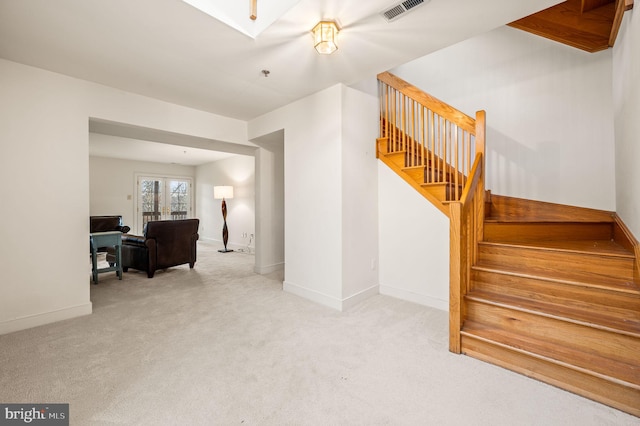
585, 338
598, 265
397, 158
382, 147
555, 292
614, 320
587, 385
609, 369
529, 232
444, 191
416, 173
439, 190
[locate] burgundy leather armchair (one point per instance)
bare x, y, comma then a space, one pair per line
165, 243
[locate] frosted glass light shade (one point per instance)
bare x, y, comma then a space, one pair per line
220, 192
324, 37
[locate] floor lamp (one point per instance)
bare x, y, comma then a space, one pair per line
222, 192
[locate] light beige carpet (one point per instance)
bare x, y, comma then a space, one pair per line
220, 345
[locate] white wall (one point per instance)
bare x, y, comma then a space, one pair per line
359, 195
550, 133
269, 159
626, 88
44, 120
313, 205
112, 186
237, 171
314, 146
414, 244
44, 227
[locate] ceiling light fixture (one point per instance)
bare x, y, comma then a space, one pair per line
324, 37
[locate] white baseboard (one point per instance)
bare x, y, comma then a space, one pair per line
410, 296
360, 296
269, 268
36, 320
313, 295
209, 240
329, 301
230, 245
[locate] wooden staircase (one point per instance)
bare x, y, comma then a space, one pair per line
546, 290
553, 296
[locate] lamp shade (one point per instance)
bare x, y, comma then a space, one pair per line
222, 192
324, 37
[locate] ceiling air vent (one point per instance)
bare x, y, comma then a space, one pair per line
398, 10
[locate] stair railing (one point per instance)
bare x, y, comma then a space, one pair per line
466, 227
430, 132
434, 134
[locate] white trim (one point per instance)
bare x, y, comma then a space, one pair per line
359, 297
330, 301
410, 296
268, 268
234, 246
313, 295
36, 320
209, 240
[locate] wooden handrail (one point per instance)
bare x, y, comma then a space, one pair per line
473, 181
434, 104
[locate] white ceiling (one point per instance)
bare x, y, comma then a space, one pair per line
140, 150
169, 50
234, 13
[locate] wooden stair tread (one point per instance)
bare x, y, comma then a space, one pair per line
606, 368
511, 209
598, 247
428, 184
615, 320
504, 219
576, 278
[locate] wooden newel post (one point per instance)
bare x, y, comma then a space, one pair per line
455, 279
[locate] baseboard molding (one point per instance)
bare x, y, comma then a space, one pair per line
230, 245
329, 301
410, 296
44, 318
360, 296
269, 268
314, 296
624, 236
